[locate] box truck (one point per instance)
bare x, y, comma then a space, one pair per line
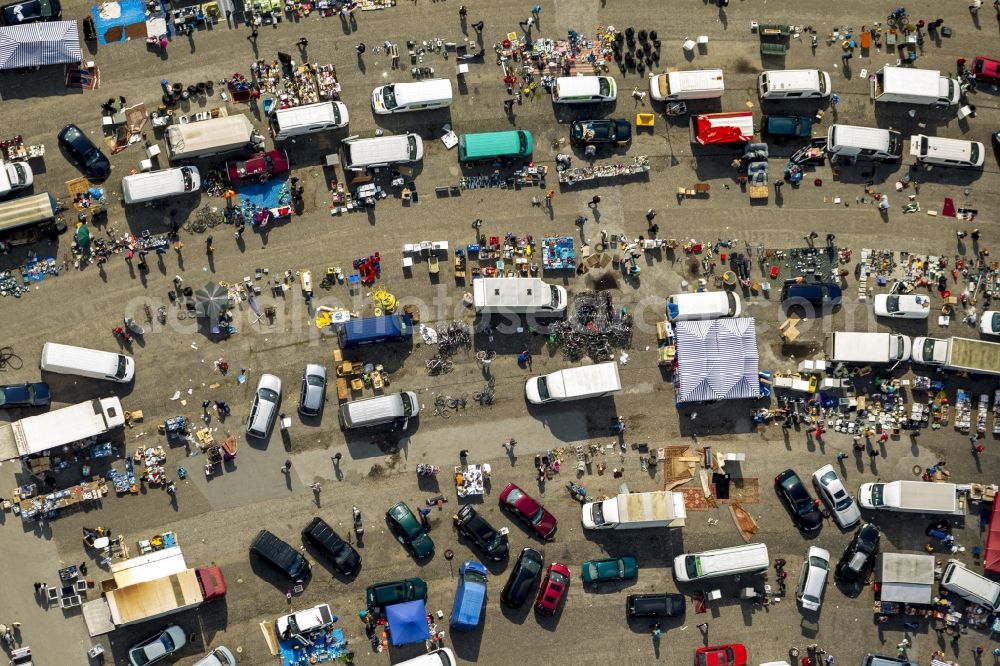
963, 354
518, 296
911, 497
627, 511
877, 348
913, 86
587, 381
35, 434
215, 136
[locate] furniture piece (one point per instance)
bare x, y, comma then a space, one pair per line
645, 119
146, 165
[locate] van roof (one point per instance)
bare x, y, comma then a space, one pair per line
328, 112
378, 408
793, 79
696, 79
698, 304
574, 86
729, 559
907, 78
382, 150
26, 211
191, 138
421, 91
855, 135
487, 145
941, 148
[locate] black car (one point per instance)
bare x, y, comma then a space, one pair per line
280, 556
30, 11
805, 513
322, 537
83, 151
878, 660
654, 605
615, 131
810, 298
25, 395
470, 524
525, 573
859, 555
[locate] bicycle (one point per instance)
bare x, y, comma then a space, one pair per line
8, 359
485, 356
484, 397
437, 366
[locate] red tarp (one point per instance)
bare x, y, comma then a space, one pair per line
712, 128
991, 558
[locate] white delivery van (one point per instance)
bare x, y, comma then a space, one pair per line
793, 84
851, 142
529, 296
971, 586
440, 657
586, 381
751, 558
416, 96
947, 152
584, 90
307, 119
215, 136
692, 84
703, 305
861, 347
911, 497
381, 151
70, 360
907, 85
15, 176
152, 185
391, 411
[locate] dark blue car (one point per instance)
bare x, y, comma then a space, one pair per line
83, 151
25, 395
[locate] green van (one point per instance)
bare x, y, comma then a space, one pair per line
491, 145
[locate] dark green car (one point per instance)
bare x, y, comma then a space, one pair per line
381, 595
800, 126
409, 531
617, 568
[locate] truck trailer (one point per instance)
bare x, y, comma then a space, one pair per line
867, 348
962, 354
913, 86
35, 434
911, 497
518, 296
215, 136
661, 508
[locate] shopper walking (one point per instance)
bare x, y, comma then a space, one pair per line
650, 214
527, 23
286, 468
252, 37
479, 25
360, 48
302, 43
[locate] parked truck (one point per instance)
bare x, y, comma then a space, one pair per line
529, 296
911, 497
35, 434
628, 511
216, 136
586, 381
913, 86
151, 586
867, 348
963, 354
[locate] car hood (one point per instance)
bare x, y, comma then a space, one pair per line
423, 545
546, 527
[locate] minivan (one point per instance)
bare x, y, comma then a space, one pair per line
512, 144
415, 96
93, 363
307, 119
322, 537
152, 185
947, 152
381, 151
470, 597
440, 657
703, 305
279, 555
693, 84
584, 90
851, 142
793, 84
370, 330
393, 410
655, 605
264, 407
971, 586
750, 558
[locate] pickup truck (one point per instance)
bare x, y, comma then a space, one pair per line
635, 510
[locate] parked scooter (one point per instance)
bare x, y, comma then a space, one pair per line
359, 525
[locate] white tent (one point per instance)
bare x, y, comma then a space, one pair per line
37, 44
906, 577
717, 360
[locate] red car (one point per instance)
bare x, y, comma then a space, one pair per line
553, 589
986, 69
261, 166
528, 510
734, 654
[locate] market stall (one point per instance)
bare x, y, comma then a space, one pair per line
471, 480
558, 253
408, 622
573, 175
33, 507
991, 552
905, 579
38, 44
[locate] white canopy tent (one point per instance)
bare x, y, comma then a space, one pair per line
717, 360
906, 578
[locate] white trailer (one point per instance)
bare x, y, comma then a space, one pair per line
962, 354
661, 508
877, 348
42, 432
913, 86
911, 497
586, 381
518, 296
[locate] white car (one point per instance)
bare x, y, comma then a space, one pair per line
831, 490
990, 322
157, 647
220, 656
812, 580
304, 621
906, 306
264, 407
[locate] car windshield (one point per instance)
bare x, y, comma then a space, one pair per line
892, 304
514, 495
473, 576
389, 97
268, 395
314, 380
810, 597
819, 563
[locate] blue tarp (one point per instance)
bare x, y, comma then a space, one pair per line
408, 622
264, 195
326, 646
131, 12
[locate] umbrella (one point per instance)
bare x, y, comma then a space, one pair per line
211, 301
83, 236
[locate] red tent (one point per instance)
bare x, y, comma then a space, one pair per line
991, 556
712, 128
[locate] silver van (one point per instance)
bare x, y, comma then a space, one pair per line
793, 84
584, 90
381, 151
393, 410
157, 184
750, 558
307, 119
947, 152
93, 363
703, 305
971, 586
416, 96
440, 657
851, 142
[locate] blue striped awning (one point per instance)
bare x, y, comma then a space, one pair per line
717, 360
37, 44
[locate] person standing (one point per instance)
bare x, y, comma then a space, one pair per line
287, 467
360, 48
479, 25
303, 43
974, 6
527, 23
594, 201
252, 37
463, 12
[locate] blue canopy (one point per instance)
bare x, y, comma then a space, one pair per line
408, 622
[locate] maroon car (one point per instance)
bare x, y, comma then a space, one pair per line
259, 167
528, 510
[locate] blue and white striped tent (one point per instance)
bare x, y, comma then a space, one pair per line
717, 360
37, 44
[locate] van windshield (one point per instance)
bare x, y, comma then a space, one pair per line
764, 86
407, 404
472, 576
822, 84
389, 97
543, 390
895, 143
411, 142
691, 566
605, 86
974, 152
188, 182
555, 298
120, 372
732, 303
522, 142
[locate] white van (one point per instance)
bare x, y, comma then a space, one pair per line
584, 90
971, 586
157, 184
70, 360
851, 142
694, 84
751, 558
381, 151
440, 657
393, 410
299, 120
415, 96
703, 305
793, 84
947, 152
